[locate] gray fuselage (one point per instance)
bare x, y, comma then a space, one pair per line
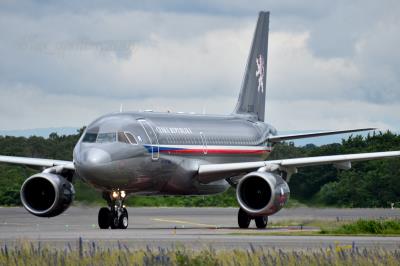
159, 153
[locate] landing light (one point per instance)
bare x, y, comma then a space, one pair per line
123, 194
115, 194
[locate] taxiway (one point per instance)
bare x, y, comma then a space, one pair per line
189, 227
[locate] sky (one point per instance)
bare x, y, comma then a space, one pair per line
331, 64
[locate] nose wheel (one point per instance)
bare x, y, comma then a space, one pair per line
123, 219
115, 216
104, 218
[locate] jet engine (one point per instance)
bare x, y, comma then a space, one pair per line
262, 193
47, 194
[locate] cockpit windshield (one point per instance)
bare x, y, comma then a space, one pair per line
106, 137
90, 137
100, 137
124, 137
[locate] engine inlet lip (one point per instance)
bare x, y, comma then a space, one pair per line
247, 208
47, 177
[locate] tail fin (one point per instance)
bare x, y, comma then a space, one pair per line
252, 94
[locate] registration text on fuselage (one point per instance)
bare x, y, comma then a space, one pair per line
174, 130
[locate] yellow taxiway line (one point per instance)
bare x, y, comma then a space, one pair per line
183, 222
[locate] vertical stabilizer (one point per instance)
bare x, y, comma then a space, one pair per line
252, 94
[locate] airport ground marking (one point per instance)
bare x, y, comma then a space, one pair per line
183, 222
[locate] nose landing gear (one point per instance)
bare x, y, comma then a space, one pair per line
116, 215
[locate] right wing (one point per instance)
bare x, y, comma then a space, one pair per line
213, 172
37, 162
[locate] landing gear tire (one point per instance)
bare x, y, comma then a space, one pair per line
123, 219
114, 221
243, 219
104, 218
261, 221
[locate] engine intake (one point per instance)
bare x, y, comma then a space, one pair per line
46, 194
262, 193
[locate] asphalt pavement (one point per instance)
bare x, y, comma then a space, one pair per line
188, 227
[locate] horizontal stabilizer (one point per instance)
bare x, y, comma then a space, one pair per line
314, 134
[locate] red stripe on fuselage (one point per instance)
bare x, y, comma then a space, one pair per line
219, 151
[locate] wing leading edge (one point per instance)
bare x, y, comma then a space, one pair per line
37, 162
213, 172
315, 134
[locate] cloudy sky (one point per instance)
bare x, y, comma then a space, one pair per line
331, 65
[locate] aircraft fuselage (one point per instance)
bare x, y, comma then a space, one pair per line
159, 153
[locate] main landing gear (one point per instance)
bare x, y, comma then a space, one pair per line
244, 220
115, 216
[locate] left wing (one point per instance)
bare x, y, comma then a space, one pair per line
37, 162
279, 138
213, 172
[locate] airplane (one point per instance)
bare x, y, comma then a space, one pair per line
154, 153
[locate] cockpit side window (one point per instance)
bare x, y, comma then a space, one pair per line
126, 137
122, 138
106, 137
131, 138
90, 137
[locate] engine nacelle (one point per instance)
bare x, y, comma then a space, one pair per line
262, 193
46, 194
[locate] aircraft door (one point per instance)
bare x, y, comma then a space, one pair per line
204, 142
152, 136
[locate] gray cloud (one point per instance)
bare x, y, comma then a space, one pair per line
185, 56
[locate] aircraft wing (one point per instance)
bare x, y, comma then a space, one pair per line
314, 134
37, 162
213, 172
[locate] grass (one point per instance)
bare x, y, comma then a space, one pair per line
85, 195
366, 227
389, 227
91, 253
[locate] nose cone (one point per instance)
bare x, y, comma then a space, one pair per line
95, 156
93, 165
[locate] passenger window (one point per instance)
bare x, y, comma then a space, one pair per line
131, 138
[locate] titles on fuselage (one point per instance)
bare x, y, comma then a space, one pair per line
174, 130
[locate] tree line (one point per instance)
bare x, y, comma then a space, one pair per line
367, 184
